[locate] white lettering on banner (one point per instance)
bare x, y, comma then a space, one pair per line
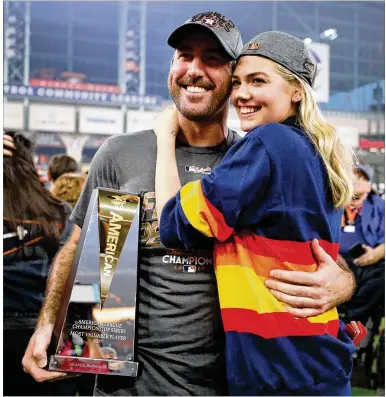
69, 94
187, 260
59, 93
82, 96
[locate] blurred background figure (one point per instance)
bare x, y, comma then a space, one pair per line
60, 164
68, 187
362, 247
35, 227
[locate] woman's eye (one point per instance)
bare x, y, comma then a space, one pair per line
235, 83
257, 80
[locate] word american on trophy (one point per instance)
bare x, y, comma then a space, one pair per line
95, 326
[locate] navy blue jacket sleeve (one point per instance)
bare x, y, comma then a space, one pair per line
210, 208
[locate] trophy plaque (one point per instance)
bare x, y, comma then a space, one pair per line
95, 326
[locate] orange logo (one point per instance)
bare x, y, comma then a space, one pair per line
253, 46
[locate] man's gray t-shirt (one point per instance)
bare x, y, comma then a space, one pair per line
180, 344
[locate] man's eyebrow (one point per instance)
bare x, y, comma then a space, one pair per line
184, 47
214, 50
250, 75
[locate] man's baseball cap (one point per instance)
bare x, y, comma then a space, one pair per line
286, 50
223, 28
366, 170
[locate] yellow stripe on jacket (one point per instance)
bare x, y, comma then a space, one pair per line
201, 214
240, 287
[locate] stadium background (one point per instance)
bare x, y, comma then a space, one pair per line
77, 72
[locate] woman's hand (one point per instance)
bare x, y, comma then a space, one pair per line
8, 145
167, 126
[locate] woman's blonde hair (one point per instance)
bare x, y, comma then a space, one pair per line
68, 187
338, 159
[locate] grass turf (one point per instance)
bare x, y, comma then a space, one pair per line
358, 391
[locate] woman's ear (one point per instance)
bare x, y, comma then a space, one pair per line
296, 96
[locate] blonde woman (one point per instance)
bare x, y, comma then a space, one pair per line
68, 187
279, 188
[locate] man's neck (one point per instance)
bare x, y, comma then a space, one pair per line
204, 133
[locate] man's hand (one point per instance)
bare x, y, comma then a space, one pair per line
310, 294
35, 357
8, 146
370, 257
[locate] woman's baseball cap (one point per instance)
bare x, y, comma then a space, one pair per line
286, 50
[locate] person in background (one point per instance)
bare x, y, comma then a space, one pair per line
35, 227
58, 165
68, 187
363, 227
61, 164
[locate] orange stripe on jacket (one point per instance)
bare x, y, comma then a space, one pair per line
201, 214
296, 252
237, 254
274, 325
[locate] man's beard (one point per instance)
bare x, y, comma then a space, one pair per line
205, 112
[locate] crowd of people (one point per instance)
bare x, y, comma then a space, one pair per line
261, 318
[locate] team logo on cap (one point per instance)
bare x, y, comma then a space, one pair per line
210, 21
309, 67
213, 20
253, 46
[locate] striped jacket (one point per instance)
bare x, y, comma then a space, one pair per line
262, 206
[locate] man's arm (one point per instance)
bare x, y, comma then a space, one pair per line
310, 294
35, 356
57, 279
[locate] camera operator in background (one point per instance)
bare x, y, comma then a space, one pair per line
362, 248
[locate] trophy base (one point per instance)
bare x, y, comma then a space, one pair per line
95, 366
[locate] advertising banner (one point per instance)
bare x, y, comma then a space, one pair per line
138, 121
68, 85
55, 118
13, 116
95, 120
79, 96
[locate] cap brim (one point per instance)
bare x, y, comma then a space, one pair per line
364, 171
179, 34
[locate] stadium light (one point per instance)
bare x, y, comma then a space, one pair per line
330, 34
307, 40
